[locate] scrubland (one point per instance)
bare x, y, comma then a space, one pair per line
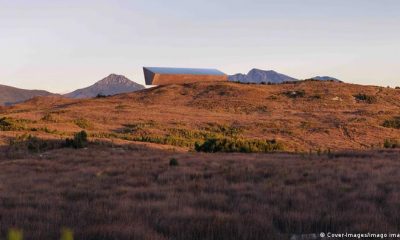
203, 161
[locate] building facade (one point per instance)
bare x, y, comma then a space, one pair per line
164, 76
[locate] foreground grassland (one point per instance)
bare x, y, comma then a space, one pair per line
139, 192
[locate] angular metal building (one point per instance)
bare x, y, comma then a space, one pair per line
164, 76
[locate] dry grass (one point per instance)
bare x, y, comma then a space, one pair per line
184, 114
133, 192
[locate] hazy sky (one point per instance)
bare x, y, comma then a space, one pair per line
64, 45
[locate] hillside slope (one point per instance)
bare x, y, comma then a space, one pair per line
304, 115
11, 95
111, 85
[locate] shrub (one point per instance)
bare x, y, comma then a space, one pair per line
79, 141
392, 123
173, 162
138, 126
224, 129
101, 95
397, 87
391, 143
9, 124
295, 94
35, 144
238, 145
32, 143
47, 130
83, 123
365, 98
316, 96
48, 118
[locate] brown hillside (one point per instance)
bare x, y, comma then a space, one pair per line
302, 116
12, 95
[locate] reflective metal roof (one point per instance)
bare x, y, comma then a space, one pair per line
193, 71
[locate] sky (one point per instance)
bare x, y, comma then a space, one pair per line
60, 46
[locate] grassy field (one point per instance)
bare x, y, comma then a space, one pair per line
136, 192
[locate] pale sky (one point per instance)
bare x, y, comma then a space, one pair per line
60, 46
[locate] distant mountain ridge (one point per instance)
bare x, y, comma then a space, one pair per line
326, 78
11, 95
111, 85
261, 76
269, 76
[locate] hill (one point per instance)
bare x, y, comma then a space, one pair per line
303, 115
261, 76
111, 85
11, 95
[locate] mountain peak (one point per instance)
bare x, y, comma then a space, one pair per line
114, 79
326, 78
259, 76
110, 85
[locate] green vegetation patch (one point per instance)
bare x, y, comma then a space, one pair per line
83, 123
137, 127
392, 123
213, 137
32, 143
238, 145
391, 143
362, 97
10, 124
150, 131
166, 140
232, 130
48, 117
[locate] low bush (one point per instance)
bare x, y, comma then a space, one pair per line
83, 123
32, 143
362, 97
173, 162
10, 124
101, 95
48, 117
391, 143
238, 145
79, 141
392, 123
229, 130
137, 126
316, 96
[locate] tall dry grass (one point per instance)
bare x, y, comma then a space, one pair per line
133, 192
